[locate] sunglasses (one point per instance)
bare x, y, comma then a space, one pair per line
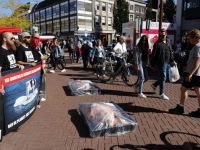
12, 38
27, 37
162, 36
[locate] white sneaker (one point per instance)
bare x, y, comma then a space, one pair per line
43, 99
38, 106
135, 89
104, 76
63, 70
141, 95
154, 88
95, 74
163, 96
52, 71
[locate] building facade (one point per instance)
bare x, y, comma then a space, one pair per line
103, 18
187, 17
137, 10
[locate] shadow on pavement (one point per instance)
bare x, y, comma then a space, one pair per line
79, 123
118, 93
128, 107
73, 75
67, 91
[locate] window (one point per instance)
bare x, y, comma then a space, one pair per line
96, 5
103, 6
49, 27
81, 6
38, 25
131, 7
97, 20
137, 9
88, 7
42, 15
43, 28
142, 9
109, 21
64, 8
56, 26
31, 18
56, 11
64, 25
131, 18
109, 8
48, 13
103, 21
37, 17
73, 23
73, 7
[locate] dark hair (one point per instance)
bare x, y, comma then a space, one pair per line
140, 42
195, 33
54, 39
163, 30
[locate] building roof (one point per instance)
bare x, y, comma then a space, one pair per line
139, 1
46, 3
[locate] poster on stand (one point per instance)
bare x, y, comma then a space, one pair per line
21, 94
1, 117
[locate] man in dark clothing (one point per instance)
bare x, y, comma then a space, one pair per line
71, 49
162, 57
24, 52
35, 47
85, 53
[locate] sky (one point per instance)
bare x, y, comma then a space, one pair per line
26, 1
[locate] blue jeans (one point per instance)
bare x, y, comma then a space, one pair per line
143, 75
163, 71
78, 58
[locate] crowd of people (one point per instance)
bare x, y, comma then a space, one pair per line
14, 54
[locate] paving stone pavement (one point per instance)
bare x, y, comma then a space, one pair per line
57, 125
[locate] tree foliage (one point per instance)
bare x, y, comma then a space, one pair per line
169, 9
149, 15
120, 14
17, 18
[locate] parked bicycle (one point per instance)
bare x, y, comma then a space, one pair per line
106, 72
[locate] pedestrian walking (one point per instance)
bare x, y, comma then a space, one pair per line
119, 49
78, 52
192, 78
162, 58
141, 56
98, 55
71, 49
56, 51
85, 53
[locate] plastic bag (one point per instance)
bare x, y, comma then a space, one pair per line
174, 74
106, 118
83, 87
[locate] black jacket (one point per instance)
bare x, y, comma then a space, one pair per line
158, 54
85, 50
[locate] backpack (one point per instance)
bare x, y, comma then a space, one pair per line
72, 46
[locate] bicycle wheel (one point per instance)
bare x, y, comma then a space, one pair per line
104, 75
132, 76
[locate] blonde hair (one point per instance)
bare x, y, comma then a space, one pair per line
163, 30
195, 33
98, 42
79, 44
122, 37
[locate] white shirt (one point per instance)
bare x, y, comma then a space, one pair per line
64, 42
120, 49
100, 54
90, 44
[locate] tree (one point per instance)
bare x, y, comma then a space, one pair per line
149, 15
169, 9
120, 14
17, 18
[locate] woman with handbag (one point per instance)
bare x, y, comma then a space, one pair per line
78, 52
98, 55
141, 61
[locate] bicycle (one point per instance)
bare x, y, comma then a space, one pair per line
106, 72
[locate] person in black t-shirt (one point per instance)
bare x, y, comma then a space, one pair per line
45, 47
24, 52
7, 58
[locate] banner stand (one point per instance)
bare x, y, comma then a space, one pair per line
43, 85
1, 118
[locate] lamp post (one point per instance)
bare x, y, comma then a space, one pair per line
161, 15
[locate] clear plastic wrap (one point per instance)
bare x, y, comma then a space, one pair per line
106, 119
83, 87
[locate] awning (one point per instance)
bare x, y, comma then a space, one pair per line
104, 34
14, 30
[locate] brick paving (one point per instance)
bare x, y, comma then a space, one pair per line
57, 125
